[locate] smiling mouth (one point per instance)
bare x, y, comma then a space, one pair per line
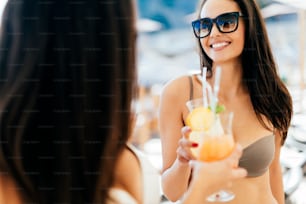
219, 45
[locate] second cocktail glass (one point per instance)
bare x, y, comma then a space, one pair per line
212, 130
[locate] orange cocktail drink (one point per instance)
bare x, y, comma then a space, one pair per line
212, 131
214, 148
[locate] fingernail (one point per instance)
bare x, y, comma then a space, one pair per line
194, 144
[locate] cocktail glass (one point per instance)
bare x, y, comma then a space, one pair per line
213, 132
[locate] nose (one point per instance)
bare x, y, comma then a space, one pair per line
214, 30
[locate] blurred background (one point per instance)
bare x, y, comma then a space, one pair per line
166, 49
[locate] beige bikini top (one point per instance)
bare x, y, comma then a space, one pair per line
256, 157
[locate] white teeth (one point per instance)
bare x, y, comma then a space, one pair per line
217, 45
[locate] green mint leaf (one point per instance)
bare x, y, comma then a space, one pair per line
220, 108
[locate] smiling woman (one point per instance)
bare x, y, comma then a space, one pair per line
231, 34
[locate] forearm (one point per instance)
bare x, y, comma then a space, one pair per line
175, 180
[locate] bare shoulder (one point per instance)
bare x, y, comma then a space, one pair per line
128, 174
176, 85
172, 101
9, 191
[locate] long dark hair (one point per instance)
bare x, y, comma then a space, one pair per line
67, 78
268, 93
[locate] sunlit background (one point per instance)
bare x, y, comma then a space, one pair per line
167, 50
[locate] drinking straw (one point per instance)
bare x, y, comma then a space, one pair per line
210, 96
217, 81
216, 88
204, 86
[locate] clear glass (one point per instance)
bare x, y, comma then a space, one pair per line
215, 143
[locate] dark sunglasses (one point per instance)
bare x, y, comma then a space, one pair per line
226, 23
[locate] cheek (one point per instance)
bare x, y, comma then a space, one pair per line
204, 44
240, 41
241, 36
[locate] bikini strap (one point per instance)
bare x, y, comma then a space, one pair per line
191, 87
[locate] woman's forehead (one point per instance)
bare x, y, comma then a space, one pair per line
213, 8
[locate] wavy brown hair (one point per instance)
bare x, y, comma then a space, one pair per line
67, 78
268, 93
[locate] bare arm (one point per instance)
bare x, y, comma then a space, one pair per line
176, 169
276, 180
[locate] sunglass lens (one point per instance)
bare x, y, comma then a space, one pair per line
227, 23
202, 27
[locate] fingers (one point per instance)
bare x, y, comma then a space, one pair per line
235, 155
186, 131
184, 153
184, 141
239, 173
234, 161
